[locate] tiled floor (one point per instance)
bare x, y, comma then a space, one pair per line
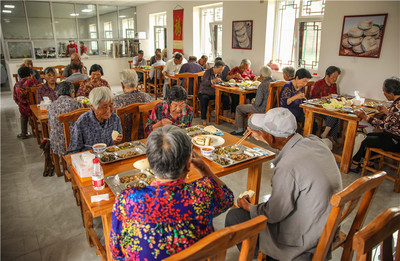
39, 217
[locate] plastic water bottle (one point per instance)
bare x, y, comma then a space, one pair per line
98, 176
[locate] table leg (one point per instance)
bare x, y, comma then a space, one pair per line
145, 81
308, 122
106, 219
254, 182
217, 105
348, 146
242, 99
45, 129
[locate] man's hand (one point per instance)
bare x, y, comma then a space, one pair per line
361, 114
254, 133
216, 80
118, 139
383, 109
244, 203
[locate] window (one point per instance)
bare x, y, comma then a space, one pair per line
127, 22
298, 25
159, 24
93, 35
211, 31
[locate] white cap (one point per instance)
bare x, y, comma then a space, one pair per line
278, 122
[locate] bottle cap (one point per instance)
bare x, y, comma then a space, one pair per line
95, 160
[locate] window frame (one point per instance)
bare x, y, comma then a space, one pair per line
203, 28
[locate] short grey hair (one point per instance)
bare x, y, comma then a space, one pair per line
100, 94
65, 88
245, 61
289, 71
129, 78
168, 149
265, 71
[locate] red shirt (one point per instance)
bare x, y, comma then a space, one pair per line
246, 75
321, 89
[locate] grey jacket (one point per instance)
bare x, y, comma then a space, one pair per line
305, 177
261, 100
205, 85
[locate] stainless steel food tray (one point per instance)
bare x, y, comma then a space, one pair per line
240, 149
137, 146
117, 187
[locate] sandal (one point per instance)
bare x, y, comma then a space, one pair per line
357, 169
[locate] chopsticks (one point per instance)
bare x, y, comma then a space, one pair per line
242, 139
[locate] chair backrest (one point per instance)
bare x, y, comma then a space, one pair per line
158, 78
343, 203
32, 94
145, 111
76, 85
148, 62
307, 89
215, 245
131, 109
60, 69
67, 118
39, 69
130, 64
274, 91
380, 229
185, 78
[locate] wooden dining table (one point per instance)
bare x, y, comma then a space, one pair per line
103, 209
42, 118
219, 89
145, 73
352, 123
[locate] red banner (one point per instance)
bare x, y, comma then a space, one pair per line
178, 31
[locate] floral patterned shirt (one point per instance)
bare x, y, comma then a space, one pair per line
126, 99
46, 91
288, 91
162, 219
62, 105
322, 89
391, 122
161, 111
21, 95
88, 131
88, 85
246, 75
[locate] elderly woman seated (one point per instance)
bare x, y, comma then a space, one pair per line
64, 103
389, 138
49, 88
96, 125
241, 73
174, 111
35, 73
129, 82
288, 73
169, 215
259, 105
96, 71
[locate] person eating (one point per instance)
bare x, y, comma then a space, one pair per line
96, 71
48, 89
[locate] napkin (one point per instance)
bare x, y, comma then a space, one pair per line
249, 193
100, 197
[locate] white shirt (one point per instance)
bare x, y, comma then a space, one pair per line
172, 68
152, 69
142, 63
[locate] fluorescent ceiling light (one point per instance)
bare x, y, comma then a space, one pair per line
86, 10
122, 16
9, 6
7, 11
74, 14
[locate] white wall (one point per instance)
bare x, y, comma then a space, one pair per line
363, 74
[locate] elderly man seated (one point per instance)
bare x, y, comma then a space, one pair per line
76, 59
305, 177
153, 58
139, 60
96, 125
152, 72
172, 67
203, 62
76, 73
169, 215
190, 67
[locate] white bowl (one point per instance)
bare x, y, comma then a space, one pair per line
206, 151
99, 147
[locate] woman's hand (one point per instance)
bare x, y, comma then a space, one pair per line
383, 109
199, 164
296, 97
118, 139
216, 80
244, 203
162, 123
361, 114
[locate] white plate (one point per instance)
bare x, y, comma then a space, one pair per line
216, 141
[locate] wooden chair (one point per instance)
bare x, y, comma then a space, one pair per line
130, 64
307, 89
381, 229
215, 245
155, 88
39, 69
76, 85
145, 111
32, 119
131, 111
381, 154
60, 69
274, 92
148, 62
363, 189
185, 78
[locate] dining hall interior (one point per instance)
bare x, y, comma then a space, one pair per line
278, 119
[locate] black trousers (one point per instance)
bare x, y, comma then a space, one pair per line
379, 140
24, 124
205, 98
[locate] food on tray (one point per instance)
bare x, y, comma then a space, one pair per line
191, 129
211, 129
131, 178
222, 161
232, 81
136, 185
239, 156
371, 104
198, 133
108, 157
126, 145
114, 134
82, 99
112, 149
202, 140
231, 149
128, 154
256, 83
220, 151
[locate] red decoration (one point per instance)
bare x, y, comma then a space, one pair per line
178, 31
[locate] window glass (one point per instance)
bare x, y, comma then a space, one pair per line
20, 49
13, 20
87, 21
39, 20
108, 21
65, 21
127, 22
44, 49
211, 31
93, 47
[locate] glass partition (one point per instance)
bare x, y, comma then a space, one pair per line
39, 19
108, 22
87, 21
13, 20
65, 21
20, 50
127, 22
44, 49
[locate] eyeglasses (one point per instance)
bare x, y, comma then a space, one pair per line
176, 105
